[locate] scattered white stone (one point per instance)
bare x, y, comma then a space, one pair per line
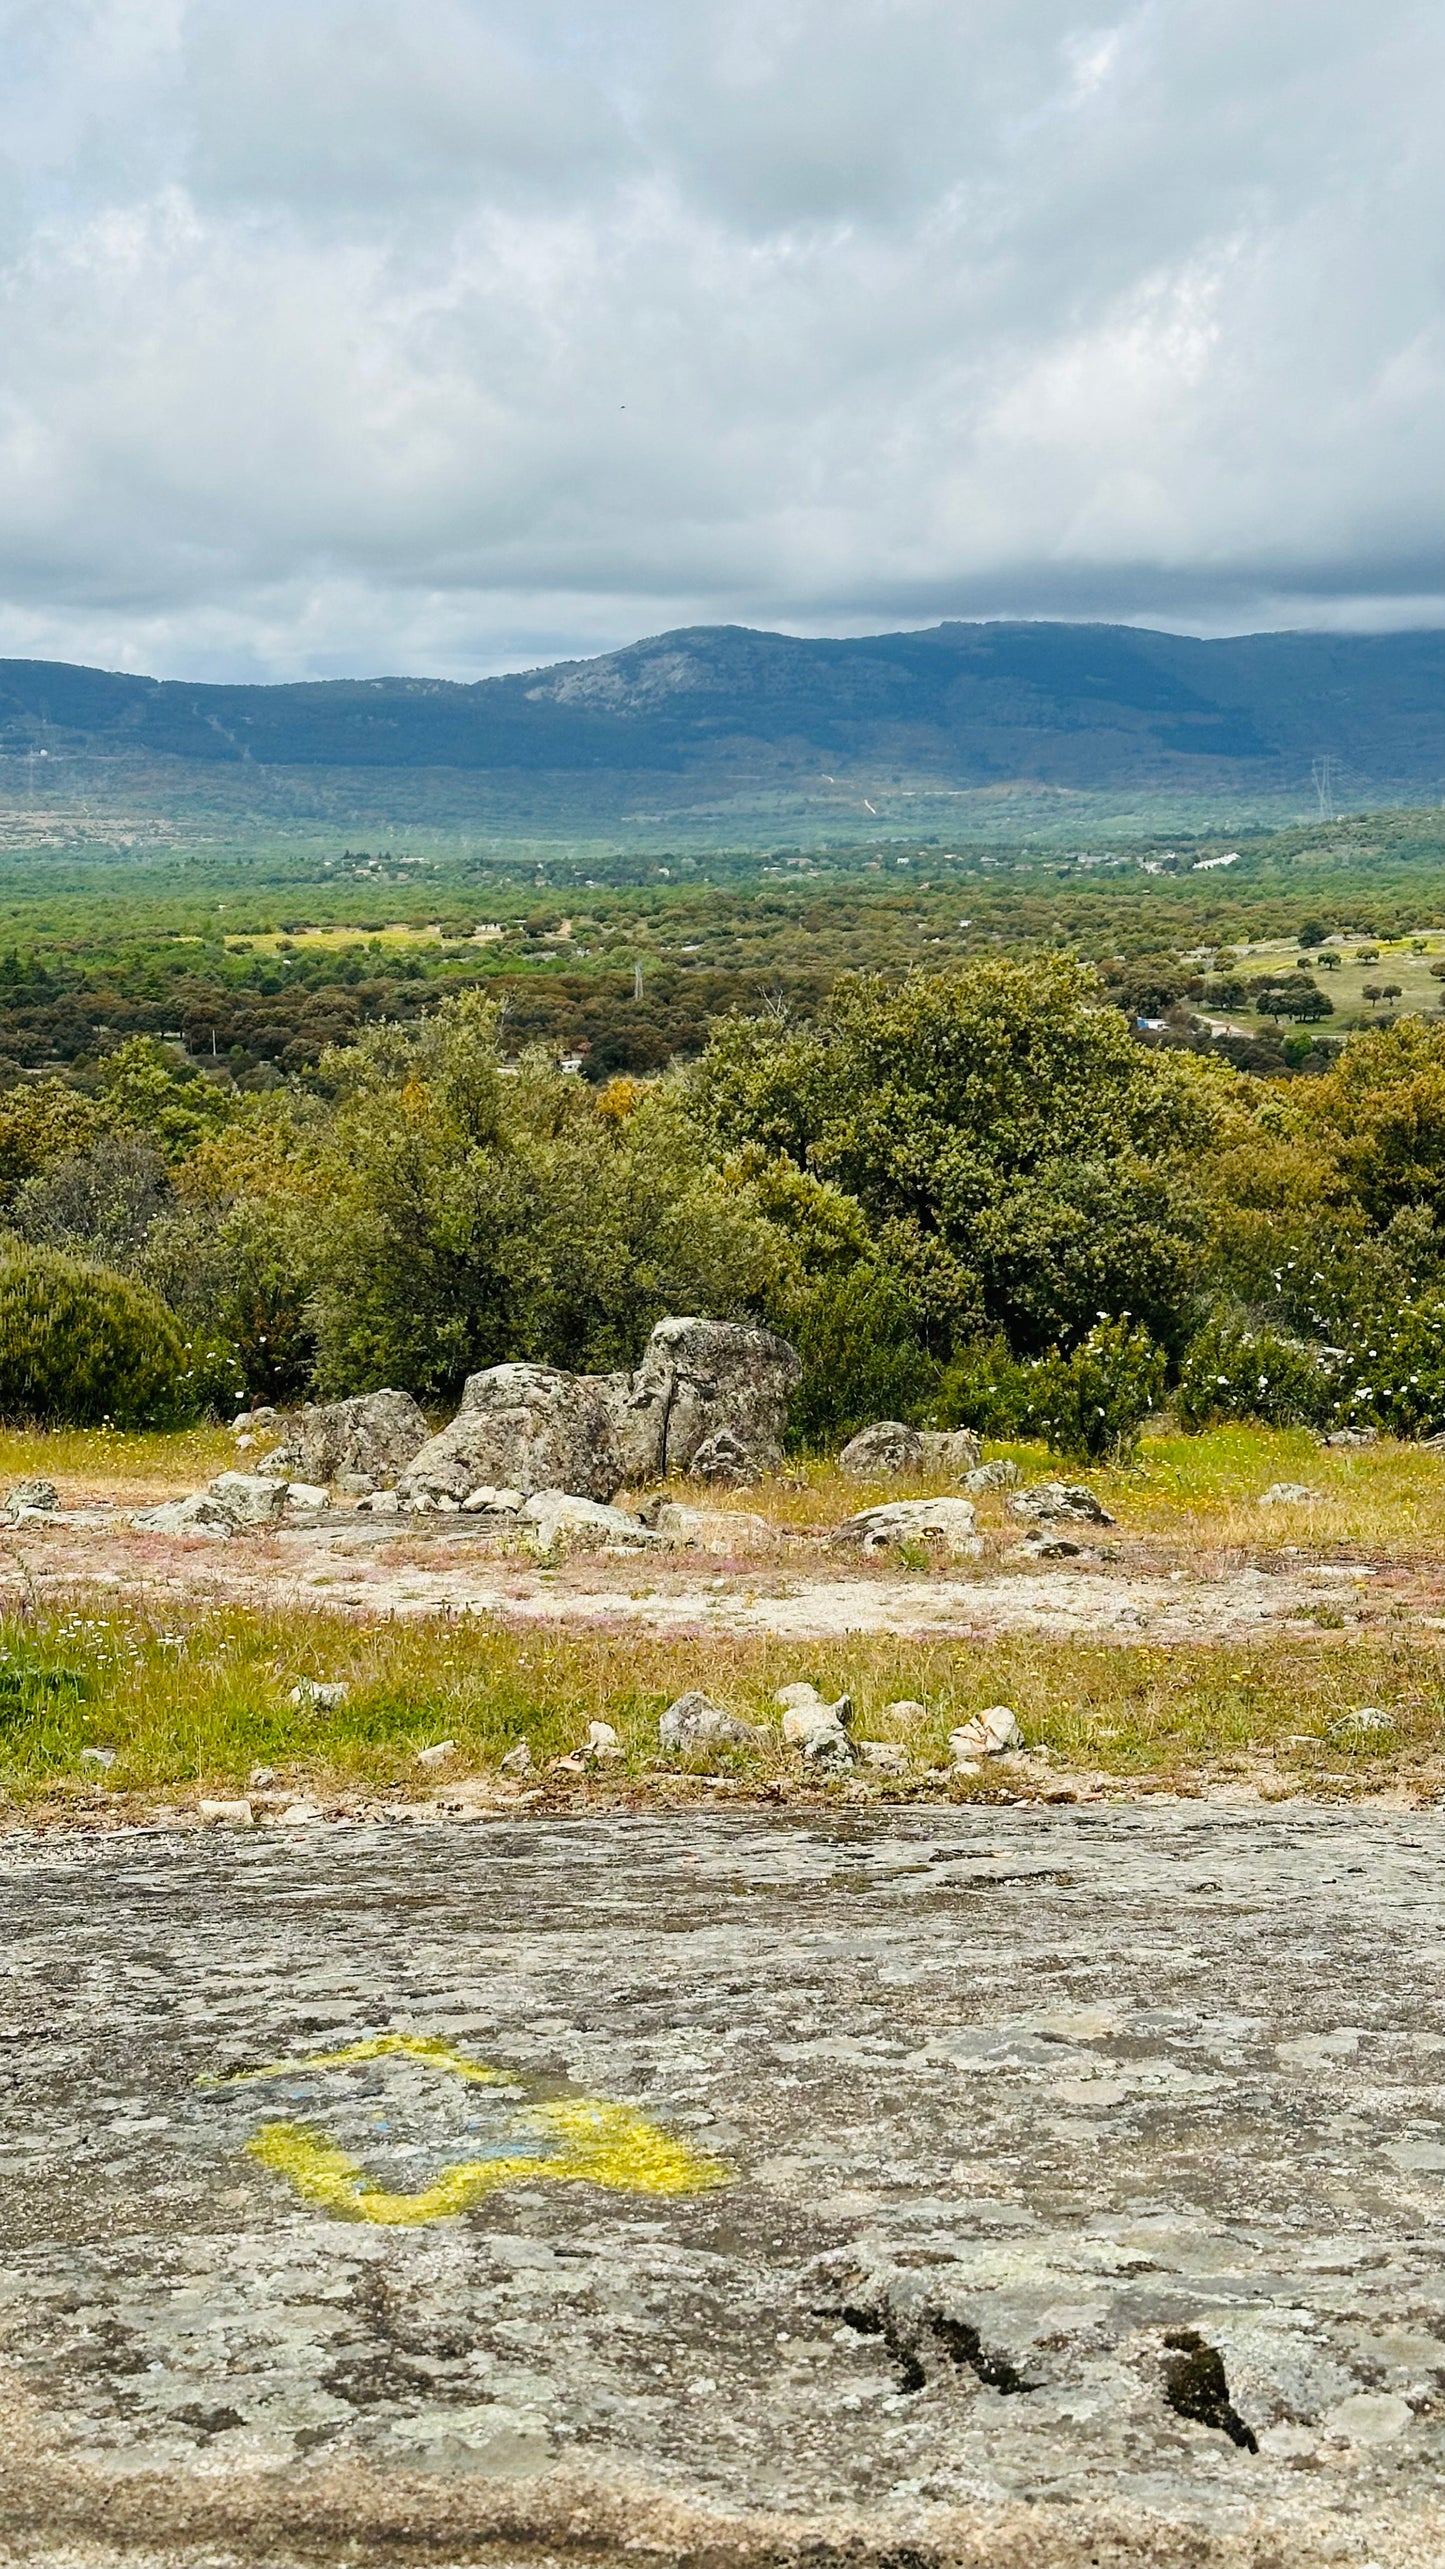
230, 1815
991, 1734
804, 1709
249, 1497
250, 1418
949, 1522
297, 1815
905, 1711
518, 1760
1288, 1494
380, 1503
603, 1745
694, 1721
306, 1494
818, 1730
261, 1778
104, 1757
720, 1530
1059, 1502
886, 1754
438, 1754
1370, 1717
323, 1698
492, 1502
245, 1444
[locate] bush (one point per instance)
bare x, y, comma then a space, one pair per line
79, 1344
1093, 1403
1393, 1376
1234, 1371
861, 1359
1090, 1404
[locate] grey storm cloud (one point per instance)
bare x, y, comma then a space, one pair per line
455, 334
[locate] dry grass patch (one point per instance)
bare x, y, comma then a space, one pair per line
1201, 1493
139, 1465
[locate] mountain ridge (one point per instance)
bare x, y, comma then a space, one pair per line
972, 704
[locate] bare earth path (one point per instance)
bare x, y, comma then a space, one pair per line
914, 2140
805, 1590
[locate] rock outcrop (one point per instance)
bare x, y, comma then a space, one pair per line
360, 1445
709, 1397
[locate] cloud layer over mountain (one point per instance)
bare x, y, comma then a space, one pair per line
452, 334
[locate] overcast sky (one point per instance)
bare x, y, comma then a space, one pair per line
454, 335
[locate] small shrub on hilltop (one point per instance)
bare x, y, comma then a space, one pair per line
79, 1344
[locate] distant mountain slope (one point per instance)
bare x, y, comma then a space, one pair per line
967, 704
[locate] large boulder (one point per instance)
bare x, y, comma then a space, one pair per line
708, 1394
525, 1428
363, 1444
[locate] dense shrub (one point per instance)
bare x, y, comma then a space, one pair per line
861, 1360
79, 1344
1232, 1370
1092, 1403
1089, 1403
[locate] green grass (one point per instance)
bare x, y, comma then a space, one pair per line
193, 1707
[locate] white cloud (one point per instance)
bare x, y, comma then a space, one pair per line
454, 333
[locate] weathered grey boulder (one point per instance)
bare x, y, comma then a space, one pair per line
694, 1721
1282, 1494
251, 1498
701, 1380
710, 1397
877, 1452
818, 1730
1000, 1475
524, 1428
1059, 1503
365, 1444
954, 1450
889, 1448
35, 1498
951, 1522
584, 1524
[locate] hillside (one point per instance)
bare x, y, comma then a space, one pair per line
721, 712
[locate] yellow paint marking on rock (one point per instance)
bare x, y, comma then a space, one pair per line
602, 2145
596, 2144
420, 2047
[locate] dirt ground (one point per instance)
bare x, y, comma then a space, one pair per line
796, 1584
